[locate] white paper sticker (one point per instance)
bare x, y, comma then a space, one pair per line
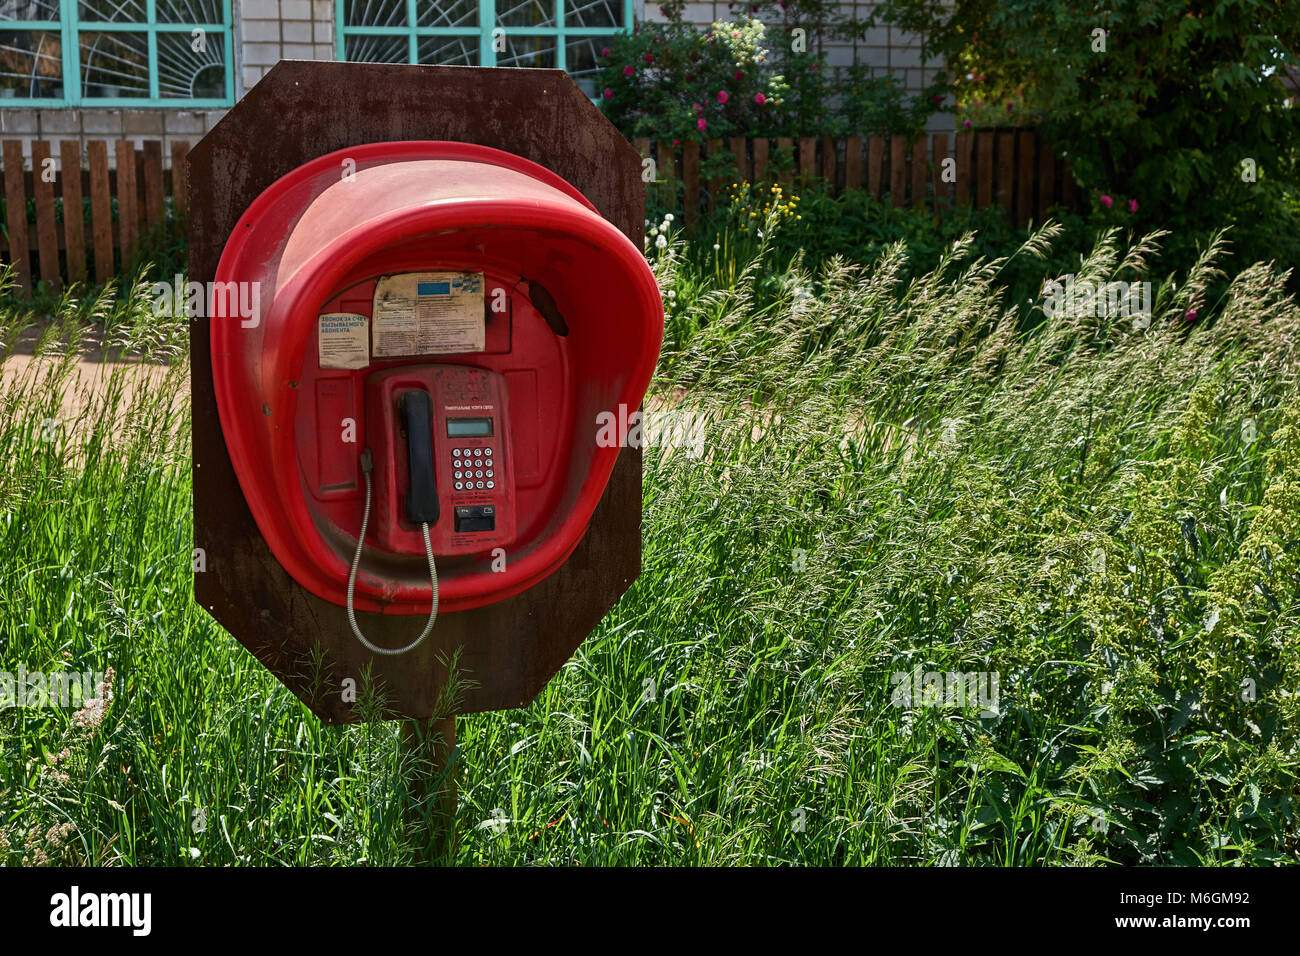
425, 313
343, 340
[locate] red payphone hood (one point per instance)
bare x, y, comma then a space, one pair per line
332, 222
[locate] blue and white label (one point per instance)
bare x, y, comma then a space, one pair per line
428, 313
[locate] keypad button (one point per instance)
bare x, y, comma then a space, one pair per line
479, 485
487, 451
490, 473
479, 473
477, 452
491, 484
460, 486
455, 463
456, 452
456, 474
487, 462
478, 462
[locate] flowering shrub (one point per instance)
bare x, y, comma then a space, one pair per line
669, 80
742, 78
750, 206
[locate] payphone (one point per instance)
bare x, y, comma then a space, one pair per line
412, 411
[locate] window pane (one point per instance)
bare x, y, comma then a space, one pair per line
449, 51
31, 64
112, 11
21, 10
525, 13
582, 59
528, 51
446, 13
593, 13
189, 73
191, 11
366, 49
375, 13
114, 64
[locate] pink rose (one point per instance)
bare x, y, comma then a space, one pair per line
739, 75
697, 107
609, 94
701, 124
722, 96
966, 123
628, 71
604, 51
649, 57
1132, 205
760, 99
1107, 201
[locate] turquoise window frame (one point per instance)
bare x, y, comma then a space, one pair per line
69, 27
487, 23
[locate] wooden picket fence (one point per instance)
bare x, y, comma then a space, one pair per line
1011, 168
71, 240
1014, 169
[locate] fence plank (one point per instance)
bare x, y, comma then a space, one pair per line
1069, 189
740, 157
939, 153
898, 170
761, 147
1006, 170
74, 229
920, 171
807, 158
853, 163
691, 181
128, 213
875, 159
830, 164
180, 184
715, 179
16, 218
961, 153
984, 168
786, 145
101, 209
1025, 178
666, 167
1046, 178
47, 229
153, 182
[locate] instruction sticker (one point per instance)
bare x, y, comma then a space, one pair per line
343, 340
423, 313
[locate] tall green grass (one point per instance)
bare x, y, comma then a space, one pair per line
895, 476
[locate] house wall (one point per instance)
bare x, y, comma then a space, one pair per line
266, 31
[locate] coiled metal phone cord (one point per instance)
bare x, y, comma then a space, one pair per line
367, 465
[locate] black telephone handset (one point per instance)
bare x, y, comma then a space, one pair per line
421, 507
422, 487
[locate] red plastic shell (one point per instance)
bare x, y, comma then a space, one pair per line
327, 231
